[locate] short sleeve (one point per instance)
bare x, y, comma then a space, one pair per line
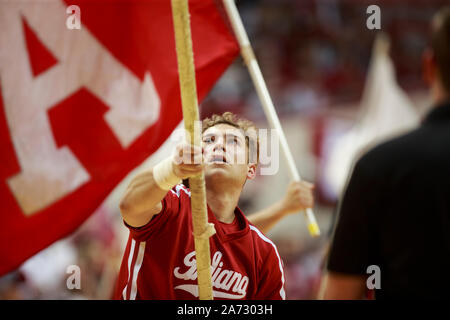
350, 247
170, 207
271, 280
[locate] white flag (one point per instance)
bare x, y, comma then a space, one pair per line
386, 111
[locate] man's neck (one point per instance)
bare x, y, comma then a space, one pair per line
222, 201
438, 94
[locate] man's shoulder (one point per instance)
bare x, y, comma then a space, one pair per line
262, 242
406, 150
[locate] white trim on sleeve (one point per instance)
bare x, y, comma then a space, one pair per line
282, 292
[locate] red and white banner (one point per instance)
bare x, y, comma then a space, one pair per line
80, 108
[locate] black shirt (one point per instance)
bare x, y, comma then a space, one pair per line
395, 213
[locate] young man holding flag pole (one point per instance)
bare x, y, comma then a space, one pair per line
245, 263
162, 215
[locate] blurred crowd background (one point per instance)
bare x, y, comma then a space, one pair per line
315, 57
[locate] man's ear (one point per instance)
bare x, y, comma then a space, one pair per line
251, 171
428, 67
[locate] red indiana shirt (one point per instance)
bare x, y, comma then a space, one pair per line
159, 259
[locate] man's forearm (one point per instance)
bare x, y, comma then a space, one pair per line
266, 218
298, 197
142, 199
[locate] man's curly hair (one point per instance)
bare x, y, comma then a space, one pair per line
249, 130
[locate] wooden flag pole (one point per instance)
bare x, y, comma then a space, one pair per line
266, 101
202, 229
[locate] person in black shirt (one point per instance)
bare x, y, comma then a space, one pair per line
395, 213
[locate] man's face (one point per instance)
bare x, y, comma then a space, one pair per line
225, 153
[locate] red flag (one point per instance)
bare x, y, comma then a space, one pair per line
79, 108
